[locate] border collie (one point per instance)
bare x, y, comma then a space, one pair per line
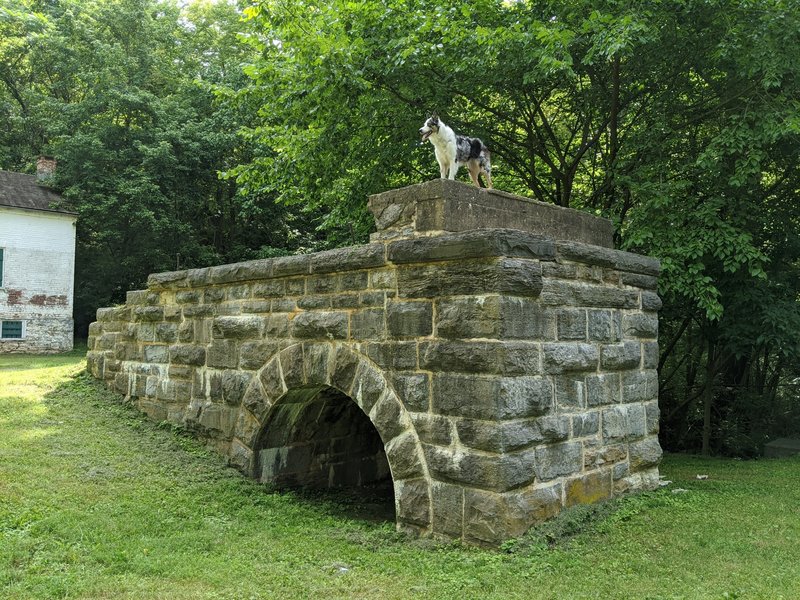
453, 150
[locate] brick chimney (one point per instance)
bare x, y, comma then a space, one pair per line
45, 167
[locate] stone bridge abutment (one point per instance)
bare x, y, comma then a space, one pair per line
495, 357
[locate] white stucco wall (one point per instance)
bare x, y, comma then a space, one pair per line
38, 275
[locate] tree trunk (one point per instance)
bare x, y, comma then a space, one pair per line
708, 400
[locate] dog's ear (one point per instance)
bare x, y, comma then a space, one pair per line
435, 119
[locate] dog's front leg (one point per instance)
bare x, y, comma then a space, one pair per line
442, 166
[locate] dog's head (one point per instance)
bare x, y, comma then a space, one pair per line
430, 127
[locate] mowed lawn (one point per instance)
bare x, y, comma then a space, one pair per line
98, 502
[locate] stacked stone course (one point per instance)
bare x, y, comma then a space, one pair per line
509, 373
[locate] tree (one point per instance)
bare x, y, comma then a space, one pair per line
677, 120
691, 157
123, 94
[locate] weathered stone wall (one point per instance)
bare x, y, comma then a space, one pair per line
508, 374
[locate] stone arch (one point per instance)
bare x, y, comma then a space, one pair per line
302, 371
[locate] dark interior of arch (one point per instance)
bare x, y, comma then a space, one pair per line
319, 438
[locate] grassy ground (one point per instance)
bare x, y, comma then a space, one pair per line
96, 502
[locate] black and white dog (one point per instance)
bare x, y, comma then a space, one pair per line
453, 150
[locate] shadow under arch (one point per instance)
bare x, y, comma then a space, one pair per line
330, 382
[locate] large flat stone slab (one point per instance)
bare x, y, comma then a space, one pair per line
443, 205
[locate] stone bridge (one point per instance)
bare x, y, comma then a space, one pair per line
492, 357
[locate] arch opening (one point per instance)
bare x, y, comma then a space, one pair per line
318, 439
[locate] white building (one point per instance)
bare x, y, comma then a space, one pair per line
37, 264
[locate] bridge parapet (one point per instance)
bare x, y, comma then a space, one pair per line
508, 371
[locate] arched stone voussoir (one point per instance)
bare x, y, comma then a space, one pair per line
248, 425
389, 416
405, 457
369, 385
346, 362
271, 378
293, 366
319, 359
256, 401
300, 365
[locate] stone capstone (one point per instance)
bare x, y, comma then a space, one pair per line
442, 205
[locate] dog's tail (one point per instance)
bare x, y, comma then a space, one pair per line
477, 148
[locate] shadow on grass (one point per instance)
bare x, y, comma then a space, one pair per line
100, 408
371, 504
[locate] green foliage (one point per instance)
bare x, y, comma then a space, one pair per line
195, 133
576, 101
693, 157
123, 94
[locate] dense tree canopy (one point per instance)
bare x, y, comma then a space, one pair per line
122, 93
677, 120
202, 132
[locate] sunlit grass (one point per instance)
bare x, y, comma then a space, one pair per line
97, 502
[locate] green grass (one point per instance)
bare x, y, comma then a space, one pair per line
97, 502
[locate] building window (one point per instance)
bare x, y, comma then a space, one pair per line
12, 330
